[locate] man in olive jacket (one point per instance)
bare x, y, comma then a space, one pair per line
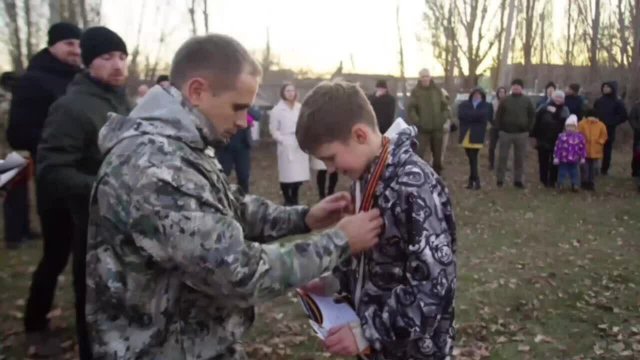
515, 119
68, 154
427, 109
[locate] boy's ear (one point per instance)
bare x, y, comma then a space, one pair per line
360, 134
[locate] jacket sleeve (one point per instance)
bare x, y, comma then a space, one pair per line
464, 113
274, 125
412, 108
500, 115
531, 115
634, 117
556, 149
63, 144
263, 220
30, 103
603, 136
187, 231
423, 306
621, 113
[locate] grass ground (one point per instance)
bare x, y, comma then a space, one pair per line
542, 274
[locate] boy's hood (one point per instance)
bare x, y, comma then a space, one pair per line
161, 112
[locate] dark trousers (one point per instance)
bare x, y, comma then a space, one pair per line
57, 234
548, 171
16, 211
570, 171
589, 171
494, 135
80, 215
431, 141
472, 155
63, 231
321, 179
290, 192
635, 163
238, 158
608, 149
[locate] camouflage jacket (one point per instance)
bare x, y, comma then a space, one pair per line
176, 258
406, 305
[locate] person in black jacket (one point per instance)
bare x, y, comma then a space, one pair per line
46, 78
549, 124
634, 120
237, 153
474, 115
68, 161
612, 112
574, 101
384, 105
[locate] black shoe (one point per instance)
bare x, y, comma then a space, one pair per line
500, 184
574, 189
470, 184
518, 185
476, 185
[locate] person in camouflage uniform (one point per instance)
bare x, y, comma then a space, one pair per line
176, 256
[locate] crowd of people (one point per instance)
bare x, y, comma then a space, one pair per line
169, 259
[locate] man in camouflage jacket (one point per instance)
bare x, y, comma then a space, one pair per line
170, 275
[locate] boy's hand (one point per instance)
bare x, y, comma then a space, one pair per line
556, 162
582, 161
362, 230
329, 211
341, 341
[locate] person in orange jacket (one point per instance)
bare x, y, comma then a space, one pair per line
595, 132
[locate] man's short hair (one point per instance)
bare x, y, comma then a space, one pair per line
329, 113
575, 88
218, 58
518, 82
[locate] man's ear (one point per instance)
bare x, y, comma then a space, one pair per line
194, 90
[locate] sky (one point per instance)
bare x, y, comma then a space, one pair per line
304, 34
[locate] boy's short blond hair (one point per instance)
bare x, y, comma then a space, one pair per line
329, 113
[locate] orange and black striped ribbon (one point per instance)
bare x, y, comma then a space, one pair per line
367, 199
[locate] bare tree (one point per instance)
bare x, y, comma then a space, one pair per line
529, 34
498, 57
205, 15
267, 57
15, 41
634, 88
54, 11
134, 69
192, 16
589, 14
29, 26
508, 42
403, 80
440, 19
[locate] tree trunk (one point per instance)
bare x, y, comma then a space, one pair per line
72, 12
403, 80
83, 13
54, 11
593, 47
527, 46
502, 78
542, 25
567, 53
503, 11
634, 88
28, 22
205, 14
624, 39
192, 15
15, 42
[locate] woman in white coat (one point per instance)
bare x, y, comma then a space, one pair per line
321, 178
293, 163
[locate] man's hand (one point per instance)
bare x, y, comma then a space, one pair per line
329, 211
316, 287
556, 161
362, 230
341, 341
551, 109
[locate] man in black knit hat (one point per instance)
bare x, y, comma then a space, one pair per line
68, 154
47, 76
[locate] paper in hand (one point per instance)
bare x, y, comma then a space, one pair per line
326, 312
10, 167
